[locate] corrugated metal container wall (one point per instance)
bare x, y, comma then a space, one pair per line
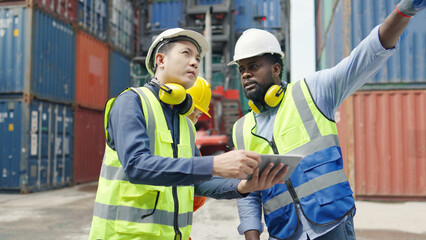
36, 142
119, 73
92, 72
53, 59
249, 14
121, 26
66, 10
92, 17
390, 143
208, 2
403, 70
345, 126
89, 144
167, 14
136, 30
50, 52
14, 58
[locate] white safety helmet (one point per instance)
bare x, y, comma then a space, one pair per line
199, 41
255, 42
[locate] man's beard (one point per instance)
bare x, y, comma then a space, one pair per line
257, 94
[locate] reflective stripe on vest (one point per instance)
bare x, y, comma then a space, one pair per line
132, 214
304, 190
150, 125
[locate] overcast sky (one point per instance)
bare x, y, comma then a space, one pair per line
302, 38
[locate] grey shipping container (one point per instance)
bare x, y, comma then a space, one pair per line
342, 24
36, 145
37, 55
121, 26
92, 17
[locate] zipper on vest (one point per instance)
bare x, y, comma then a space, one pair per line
292, 191
271, 143
178, 234
273, 146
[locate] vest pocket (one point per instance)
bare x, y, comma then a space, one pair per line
184, 150
324, 171
292, 138
137, 205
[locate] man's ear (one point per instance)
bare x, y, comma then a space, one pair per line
159, 60
276, 70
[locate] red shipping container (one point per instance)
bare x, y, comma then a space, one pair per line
89, 144
66, 10
91, 72
389, 134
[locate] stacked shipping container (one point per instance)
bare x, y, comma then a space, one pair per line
35, 98
382, 128
104, 48
57, 62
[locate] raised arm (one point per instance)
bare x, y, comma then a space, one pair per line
393, 26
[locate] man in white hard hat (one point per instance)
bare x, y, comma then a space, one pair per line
151, 164
298, 118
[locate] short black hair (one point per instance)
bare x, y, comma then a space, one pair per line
276, 58
164, 49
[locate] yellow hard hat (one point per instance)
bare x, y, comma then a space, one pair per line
201, 94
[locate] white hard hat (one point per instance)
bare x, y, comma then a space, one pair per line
255, 42
199, 41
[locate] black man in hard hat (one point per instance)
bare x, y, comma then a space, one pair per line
298, 118
151, 168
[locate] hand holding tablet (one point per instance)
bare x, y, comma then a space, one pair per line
288, 160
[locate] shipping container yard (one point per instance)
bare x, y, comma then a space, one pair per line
60, 61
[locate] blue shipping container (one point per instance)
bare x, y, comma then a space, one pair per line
121, 26
92, 17
36, 145
119, 73
265, 14
405, 69
208, 2
37, 55
167, 14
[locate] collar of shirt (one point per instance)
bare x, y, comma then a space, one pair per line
265, 122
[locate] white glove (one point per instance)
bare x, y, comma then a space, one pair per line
409, 8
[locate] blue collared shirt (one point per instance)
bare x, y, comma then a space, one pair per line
328, 88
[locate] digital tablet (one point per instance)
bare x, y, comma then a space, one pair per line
288, 160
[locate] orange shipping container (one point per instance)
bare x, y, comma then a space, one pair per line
389, 143
89, 144
92, 72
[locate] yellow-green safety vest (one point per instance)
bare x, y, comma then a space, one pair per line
124, 210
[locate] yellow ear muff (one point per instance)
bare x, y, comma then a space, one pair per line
186, 110
274, 95
174, 96
253, 106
